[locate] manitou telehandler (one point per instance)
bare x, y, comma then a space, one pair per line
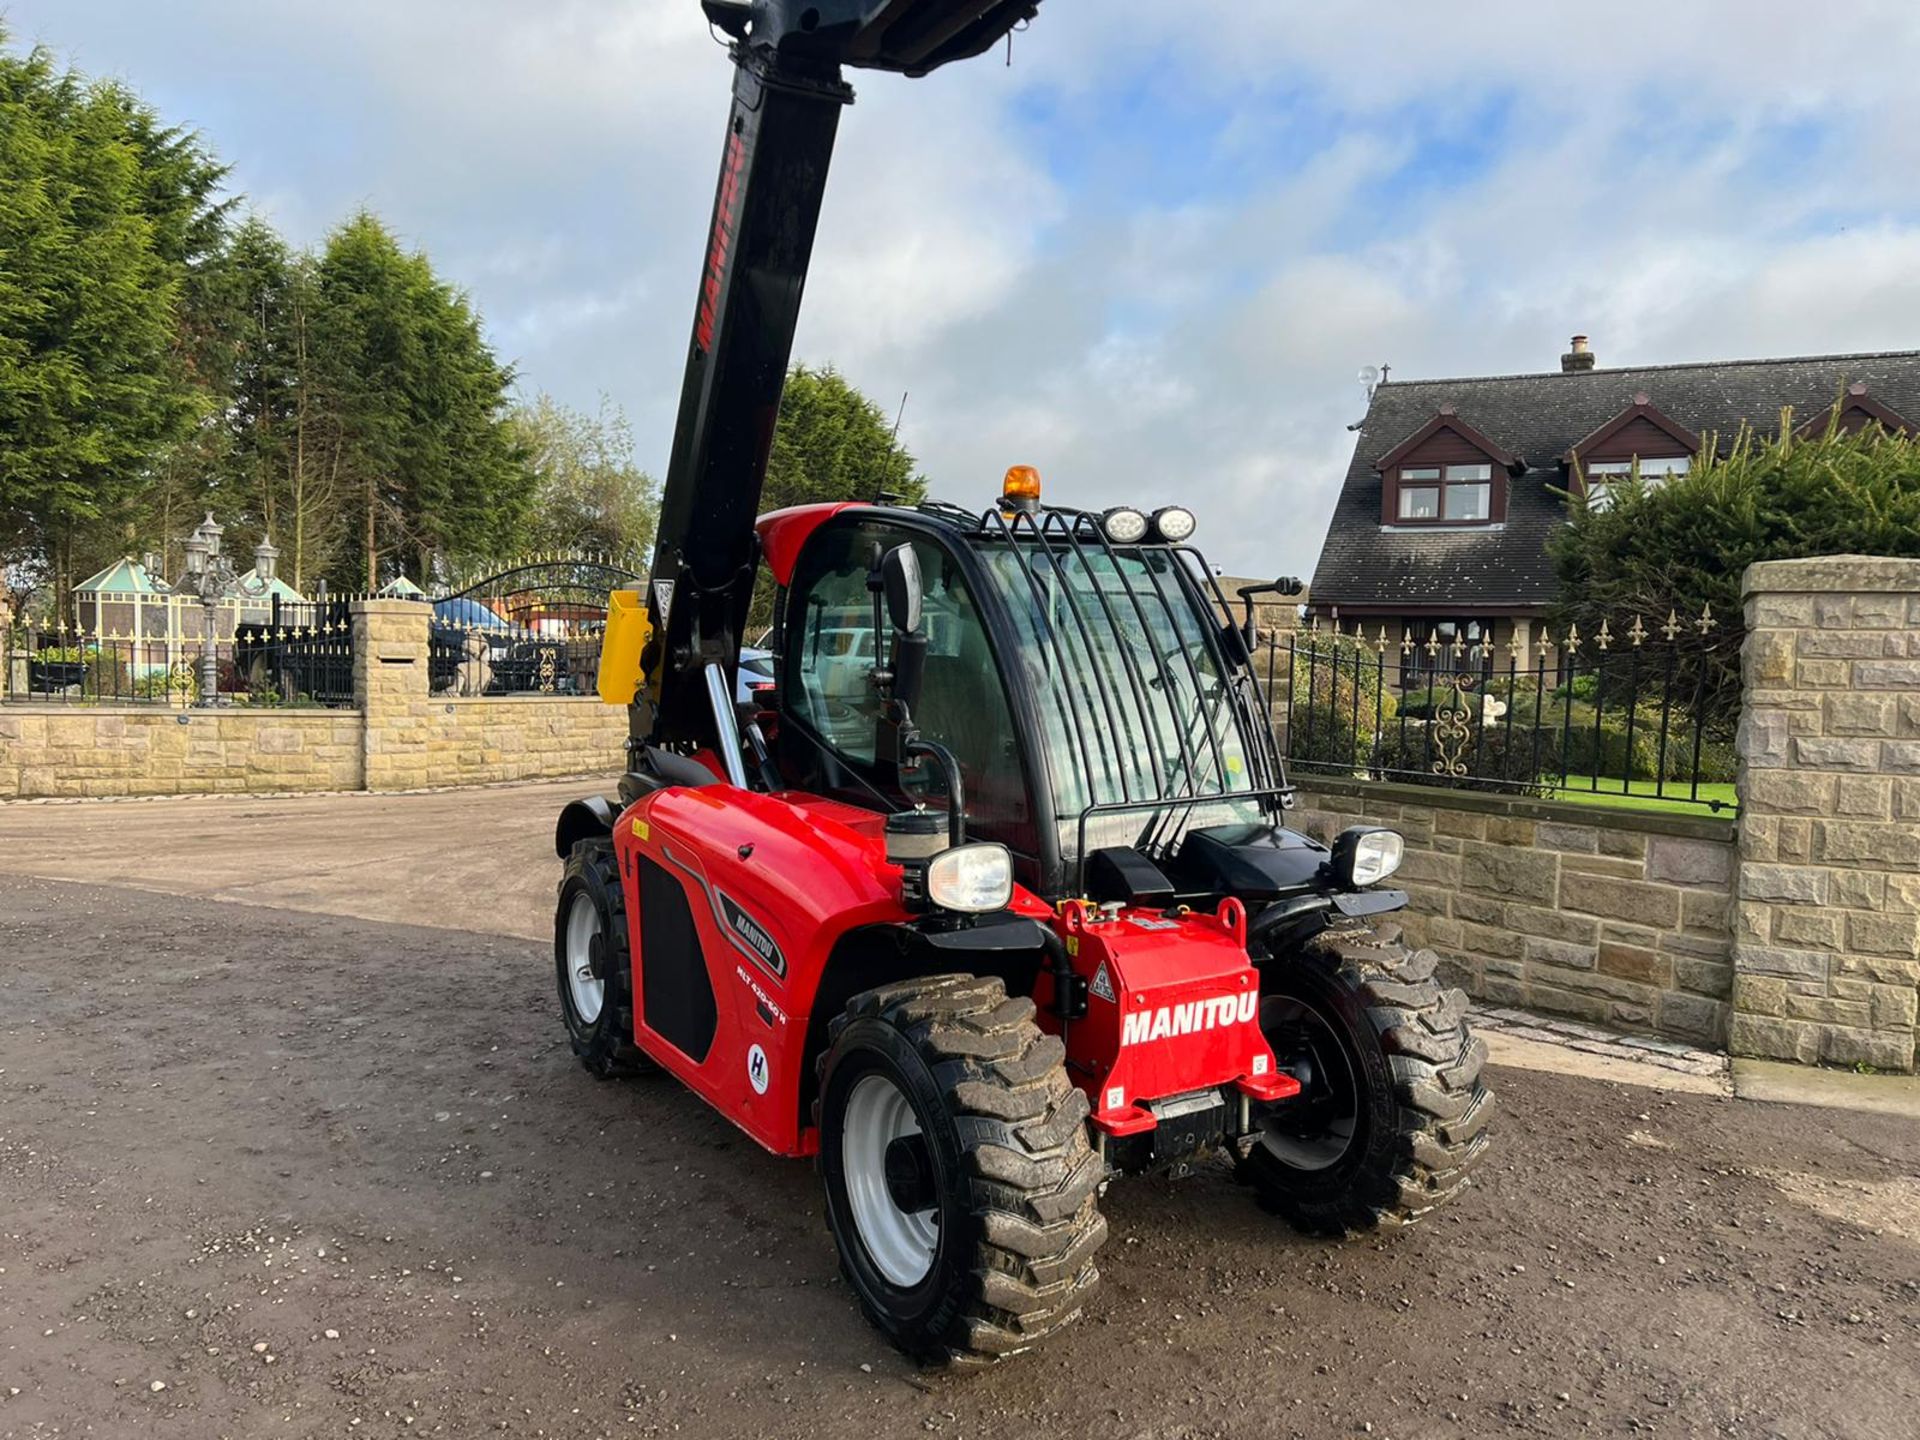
990, 897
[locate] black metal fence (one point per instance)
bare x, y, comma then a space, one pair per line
1629, 717
262, 665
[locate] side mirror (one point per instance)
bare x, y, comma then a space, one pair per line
900, 575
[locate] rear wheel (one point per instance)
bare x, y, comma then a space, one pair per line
960, 1185
1391, 1113
592, 964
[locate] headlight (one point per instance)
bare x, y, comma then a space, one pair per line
1174, 523
1366, 855
972, 879
1124, 525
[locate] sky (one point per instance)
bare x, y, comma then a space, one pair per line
1151, 254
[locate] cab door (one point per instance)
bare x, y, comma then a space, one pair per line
831, 713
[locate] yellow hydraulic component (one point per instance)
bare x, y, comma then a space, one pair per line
628, 631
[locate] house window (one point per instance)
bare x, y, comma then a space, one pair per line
1603, 475
1457, 494
1432, 656
1420, 492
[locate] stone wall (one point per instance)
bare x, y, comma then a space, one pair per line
397, 738
1606, 915
95, 750
1827, 923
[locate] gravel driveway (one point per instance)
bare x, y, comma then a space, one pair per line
319, 1175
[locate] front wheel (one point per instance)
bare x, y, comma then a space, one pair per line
592, 963
960, 1184
1391, 1113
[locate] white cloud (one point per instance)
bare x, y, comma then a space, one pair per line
1165, 297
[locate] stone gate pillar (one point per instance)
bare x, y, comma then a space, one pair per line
1827, 915
391, 687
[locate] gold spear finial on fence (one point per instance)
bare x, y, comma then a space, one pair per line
1673, 627
1381, 640
1706, 622
1637, 633
1573, 639
1605, 638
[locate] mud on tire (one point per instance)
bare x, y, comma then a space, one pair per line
603, 1040
1011, 1175
1420, 1112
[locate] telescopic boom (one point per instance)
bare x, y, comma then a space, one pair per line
788, 92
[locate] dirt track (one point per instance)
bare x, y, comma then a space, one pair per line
225, 1126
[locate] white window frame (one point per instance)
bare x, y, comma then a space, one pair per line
1602, 475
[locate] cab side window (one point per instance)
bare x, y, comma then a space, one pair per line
830, 644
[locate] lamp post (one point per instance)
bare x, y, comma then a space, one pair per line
211, 579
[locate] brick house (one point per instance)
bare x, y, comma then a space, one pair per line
1441, 527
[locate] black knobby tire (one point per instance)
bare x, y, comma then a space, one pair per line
604, 1042
1366, 1015
1013, 1178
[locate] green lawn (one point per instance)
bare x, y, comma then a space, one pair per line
1614, 795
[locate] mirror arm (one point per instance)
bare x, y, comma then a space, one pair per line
912, 744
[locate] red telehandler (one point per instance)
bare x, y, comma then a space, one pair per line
991, 897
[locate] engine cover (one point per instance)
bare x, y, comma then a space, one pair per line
1173, 1006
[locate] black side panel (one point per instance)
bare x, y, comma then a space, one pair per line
676, 994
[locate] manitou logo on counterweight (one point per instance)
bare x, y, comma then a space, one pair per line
1188, 1019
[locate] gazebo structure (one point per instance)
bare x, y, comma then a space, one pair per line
128, 600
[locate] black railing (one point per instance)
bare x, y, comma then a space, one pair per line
1612, 718
260, 665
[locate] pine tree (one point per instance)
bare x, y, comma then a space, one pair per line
106, 221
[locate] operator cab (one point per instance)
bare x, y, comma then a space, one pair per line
1080, 669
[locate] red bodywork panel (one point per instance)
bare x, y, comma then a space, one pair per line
1172, 1006
783, 532
1177, 1009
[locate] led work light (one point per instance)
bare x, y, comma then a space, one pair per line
1174, 524
1124, 525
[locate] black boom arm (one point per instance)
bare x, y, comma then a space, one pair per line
787, 96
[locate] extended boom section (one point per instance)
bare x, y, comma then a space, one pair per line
787, 97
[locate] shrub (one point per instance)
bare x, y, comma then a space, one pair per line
1683, 545
1340, 703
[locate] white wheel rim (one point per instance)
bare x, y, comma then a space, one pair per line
588, 990
900, 1243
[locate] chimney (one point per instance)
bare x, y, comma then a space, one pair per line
1577, 358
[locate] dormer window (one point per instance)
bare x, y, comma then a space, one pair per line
1857, 410
1461, 494
1603, 475
1641, 435
1445, 473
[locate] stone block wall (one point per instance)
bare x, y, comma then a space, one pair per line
73, 751
1827, 919
1604, 915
